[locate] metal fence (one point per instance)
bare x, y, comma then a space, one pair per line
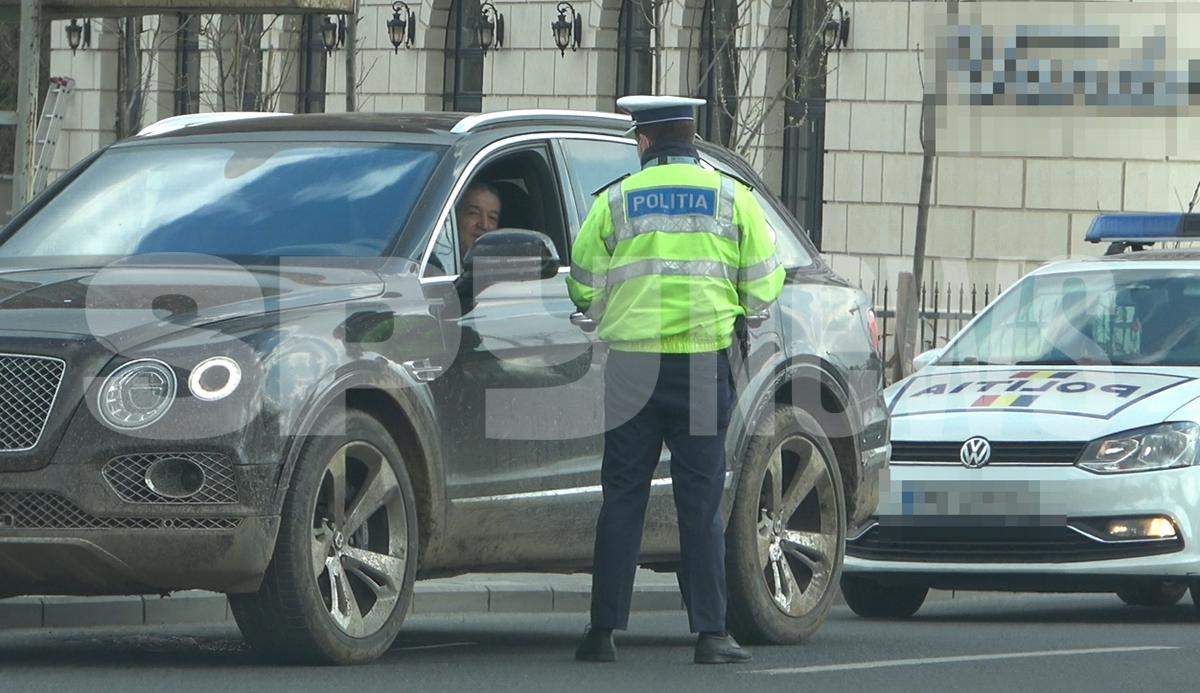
943, 310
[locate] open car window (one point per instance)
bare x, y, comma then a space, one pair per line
522, 184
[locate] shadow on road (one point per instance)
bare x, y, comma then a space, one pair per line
201, 647
1098, 609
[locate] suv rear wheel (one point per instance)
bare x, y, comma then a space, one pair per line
787, 533
341, 580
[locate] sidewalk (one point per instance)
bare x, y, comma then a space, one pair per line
475, 593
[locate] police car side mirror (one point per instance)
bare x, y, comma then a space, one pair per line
507, 255
925, 358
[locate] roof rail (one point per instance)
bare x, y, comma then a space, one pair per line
193, 119
472, 122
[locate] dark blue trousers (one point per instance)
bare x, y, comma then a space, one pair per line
685, 401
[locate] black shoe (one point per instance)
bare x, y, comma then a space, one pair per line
596, 646
719, 649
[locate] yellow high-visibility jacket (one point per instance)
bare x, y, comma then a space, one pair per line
669, 257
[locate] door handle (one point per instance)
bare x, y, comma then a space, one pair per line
583, 322
756, 319
423, 370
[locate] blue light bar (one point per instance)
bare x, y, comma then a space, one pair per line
1143, 228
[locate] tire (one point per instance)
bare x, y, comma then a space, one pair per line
292, 617
870, 599
782, 571
1157, 594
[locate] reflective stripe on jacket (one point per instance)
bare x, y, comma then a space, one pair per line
668, 258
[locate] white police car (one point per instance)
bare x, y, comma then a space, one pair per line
1052, 445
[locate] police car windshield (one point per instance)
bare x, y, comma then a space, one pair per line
232, 199
1125, 317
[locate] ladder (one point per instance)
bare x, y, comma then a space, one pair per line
49, 127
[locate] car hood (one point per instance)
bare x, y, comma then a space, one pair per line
1077, 403
122, 302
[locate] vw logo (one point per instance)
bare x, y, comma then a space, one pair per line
975, 452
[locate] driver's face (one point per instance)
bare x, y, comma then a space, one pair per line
478, 213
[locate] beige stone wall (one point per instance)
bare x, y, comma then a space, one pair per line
1014, 186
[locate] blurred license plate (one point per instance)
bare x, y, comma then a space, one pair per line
935, 499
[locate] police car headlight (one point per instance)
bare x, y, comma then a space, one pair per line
1164, 446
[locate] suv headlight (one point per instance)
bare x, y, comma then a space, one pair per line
1156, 447
137, 394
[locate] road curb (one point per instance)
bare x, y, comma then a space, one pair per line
198, 607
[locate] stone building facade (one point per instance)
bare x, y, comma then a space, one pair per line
1016, 180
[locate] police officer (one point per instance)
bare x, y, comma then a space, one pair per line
666, 262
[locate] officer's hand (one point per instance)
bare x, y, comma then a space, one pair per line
583, 322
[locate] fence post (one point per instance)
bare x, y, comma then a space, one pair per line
906, 324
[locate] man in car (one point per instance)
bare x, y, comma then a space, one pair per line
667, 260
478, 212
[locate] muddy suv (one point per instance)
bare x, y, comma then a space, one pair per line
248, 356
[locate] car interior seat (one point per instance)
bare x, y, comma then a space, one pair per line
517, 210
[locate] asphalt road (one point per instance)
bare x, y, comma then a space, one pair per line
984, 643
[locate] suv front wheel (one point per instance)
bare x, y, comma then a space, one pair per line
341, 580
787, 533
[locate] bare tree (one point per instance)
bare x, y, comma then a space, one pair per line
361, 74
752, 116
245, 77
140, 62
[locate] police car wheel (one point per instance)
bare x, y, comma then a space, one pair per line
1157, 594
871, 599
341, 580
786, 537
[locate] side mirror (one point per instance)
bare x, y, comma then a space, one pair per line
508, 255
926, 357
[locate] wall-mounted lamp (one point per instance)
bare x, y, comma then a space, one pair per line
402, 27
333, 35
79, 34
567, 34
490, 27
836, 32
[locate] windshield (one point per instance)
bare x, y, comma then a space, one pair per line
232, 199
1143, 317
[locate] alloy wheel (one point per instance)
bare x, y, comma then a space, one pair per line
359, 539
797, 532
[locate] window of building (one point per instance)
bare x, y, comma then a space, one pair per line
717, 76
635, 48
187, 65
311, 97
464, 59
804, 132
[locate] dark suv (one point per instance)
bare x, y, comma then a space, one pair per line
248, 356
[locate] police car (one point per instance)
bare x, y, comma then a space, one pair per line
1052, 445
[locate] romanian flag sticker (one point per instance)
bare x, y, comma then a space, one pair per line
1042, 375
1005, 401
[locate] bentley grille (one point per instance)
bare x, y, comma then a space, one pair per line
28, 387
36, 510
